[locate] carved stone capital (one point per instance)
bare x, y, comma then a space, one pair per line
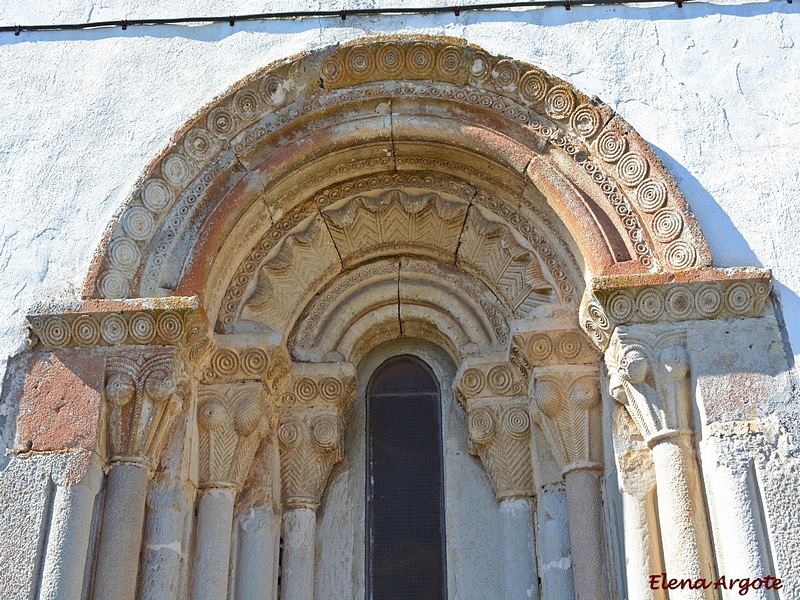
499, 426
310, 428
565, 402
145, 390
649, 374
556, 346
232, 420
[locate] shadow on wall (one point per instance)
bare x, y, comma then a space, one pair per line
548, 16
725, 240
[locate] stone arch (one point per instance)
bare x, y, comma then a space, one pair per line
412, 188
263, 154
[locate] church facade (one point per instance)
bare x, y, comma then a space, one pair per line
402, 316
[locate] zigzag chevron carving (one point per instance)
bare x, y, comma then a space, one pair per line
490, 248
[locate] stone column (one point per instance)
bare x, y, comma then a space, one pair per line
566, 404
494, 398
637, 482
309, 439
232, 420
649, 374
143, 396
257, 556
68, 539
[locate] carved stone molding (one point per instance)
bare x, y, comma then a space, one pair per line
693, 295
565, 402
232, 420
310, 428
145, 391
226, 364
649, 374
174, 321
552, 347
499, 426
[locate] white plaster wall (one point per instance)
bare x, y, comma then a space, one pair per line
713, 87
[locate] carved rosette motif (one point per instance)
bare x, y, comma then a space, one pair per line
551, 347
247, 363
310, 429
232, 420
499, 424
144, 391
565, 402
649, 374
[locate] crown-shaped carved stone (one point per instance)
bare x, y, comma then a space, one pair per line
565, 402
498, 423
310, 428
649, 374
232, 420
144, 391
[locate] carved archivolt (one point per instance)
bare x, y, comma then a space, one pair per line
146, 253
145, 391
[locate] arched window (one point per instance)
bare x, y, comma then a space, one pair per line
405, 492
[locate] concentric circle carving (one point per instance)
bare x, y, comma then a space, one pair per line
585, 120
611, 146
708, 300
585, 394
620, 306
448, 62
331, 389
481, 425
560, 102
533, 86
221, 122
391, 59
225, 362
142, 328
85, 331
517, 422
305, 389
138, 223
198, 144
505, 74
254, 361
540, 347
289, 433
325, 431
114, 329
420, 59
651, 195
472, 382
360, 62
632, 169
568, 345
681, 255
667, 224
176, 170
650, 304
500, 379
679, 302
57, 332
245, 104
739, 298
156, 196
124, 254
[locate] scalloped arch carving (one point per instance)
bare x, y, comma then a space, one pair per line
556, 168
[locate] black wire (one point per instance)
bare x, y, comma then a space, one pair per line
315, 14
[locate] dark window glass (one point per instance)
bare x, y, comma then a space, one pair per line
405, 505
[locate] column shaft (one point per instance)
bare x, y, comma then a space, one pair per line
68, 539
213, 544
642, 554
521, 581
687, 548
297, 568
256, 559
586, 535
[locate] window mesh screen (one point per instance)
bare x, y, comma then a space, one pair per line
405, 505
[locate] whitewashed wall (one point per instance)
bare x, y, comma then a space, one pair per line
713, 87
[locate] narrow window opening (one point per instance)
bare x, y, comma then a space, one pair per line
405, 491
